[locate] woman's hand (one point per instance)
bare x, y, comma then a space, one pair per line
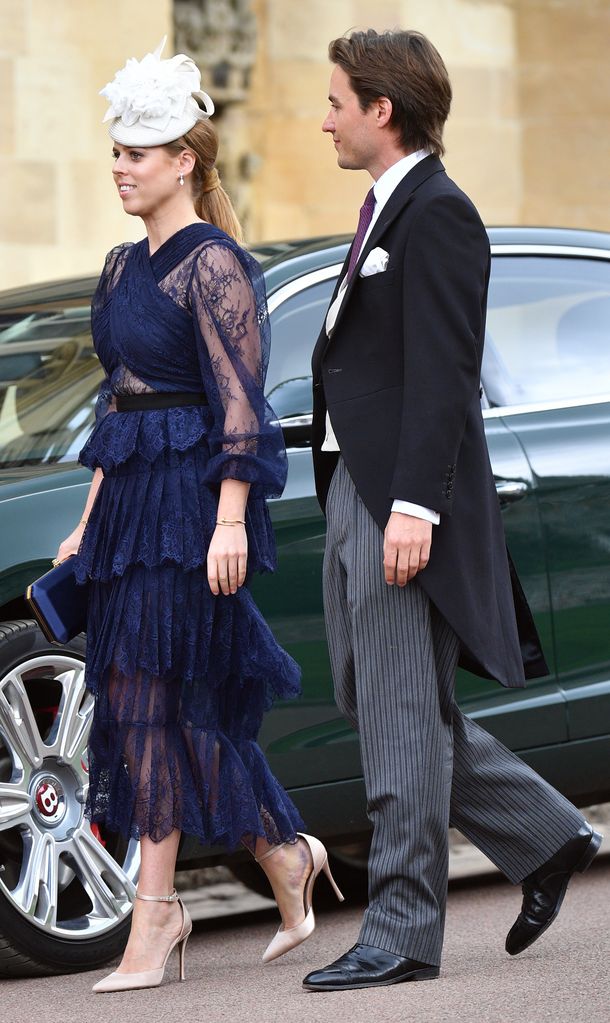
71, 544
227, 559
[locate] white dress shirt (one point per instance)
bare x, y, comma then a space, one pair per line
382, 190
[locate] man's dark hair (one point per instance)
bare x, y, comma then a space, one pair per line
405, 67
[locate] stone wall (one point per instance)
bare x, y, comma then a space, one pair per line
528, 135
564, 111
59, 212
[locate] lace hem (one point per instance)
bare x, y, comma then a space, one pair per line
167, 624
202, 783
121, 435
163, 512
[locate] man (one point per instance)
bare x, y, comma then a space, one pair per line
416, 573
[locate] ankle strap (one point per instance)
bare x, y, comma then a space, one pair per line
270, 852
159, 898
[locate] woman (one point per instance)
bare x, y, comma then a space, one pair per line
185, 451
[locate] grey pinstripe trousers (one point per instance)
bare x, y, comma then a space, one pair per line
426, 766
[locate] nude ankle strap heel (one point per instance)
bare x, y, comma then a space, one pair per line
270, 852
288, 938
172, 897
151, 978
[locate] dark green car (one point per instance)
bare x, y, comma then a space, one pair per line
66, 889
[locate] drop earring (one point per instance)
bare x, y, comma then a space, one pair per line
181, 179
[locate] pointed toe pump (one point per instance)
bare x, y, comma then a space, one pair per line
288, 938
151, 978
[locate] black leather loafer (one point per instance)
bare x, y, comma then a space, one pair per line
367, 966
544, 890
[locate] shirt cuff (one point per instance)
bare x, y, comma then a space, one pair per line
406, 508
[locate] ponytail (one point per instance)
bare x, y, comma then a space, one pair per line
211, 201
213, 204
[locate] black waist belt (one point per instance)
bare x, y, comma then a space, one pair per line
157, 399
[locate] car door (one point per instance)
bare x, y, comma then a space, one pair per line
49, 378
535, 716
310, 742
307, 742
549, 318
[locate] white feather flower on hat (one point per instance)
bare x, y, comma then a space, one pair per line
151, 91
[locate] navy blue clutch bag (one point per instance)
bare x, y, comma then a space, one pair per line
59, 603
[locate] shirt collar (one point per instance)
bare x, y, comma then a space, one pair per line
390, 179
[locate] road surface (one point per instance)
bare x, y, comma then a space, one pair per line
563, 978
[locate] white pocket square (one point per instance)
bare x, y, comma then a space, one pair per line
375, 263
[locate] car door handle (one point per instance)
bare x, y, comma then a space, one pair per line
289, 422
511, 490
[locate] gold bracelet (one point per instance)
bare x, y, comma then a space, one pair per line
230, 522
83, 522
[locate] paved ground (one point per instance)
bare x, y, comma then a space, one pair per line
564, 978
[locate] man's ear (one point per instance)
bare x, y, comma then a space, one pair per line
383, 111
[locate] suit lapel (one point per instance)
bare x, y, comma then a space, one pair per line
399, 198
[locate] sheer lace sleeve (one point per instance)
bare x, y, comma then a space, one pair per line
113, 267
229, 310
109, 277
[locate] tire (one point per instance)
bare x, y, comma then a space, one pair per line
66, 890
347, 863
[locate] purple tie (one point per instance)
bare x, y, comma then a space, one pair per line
366, 215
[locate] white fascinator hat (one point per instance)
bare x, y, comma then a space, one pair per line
154, 101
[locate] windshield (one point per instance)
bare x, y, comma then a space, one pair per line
49, 378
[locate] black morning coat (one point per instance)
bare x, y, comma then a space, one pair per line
400, 377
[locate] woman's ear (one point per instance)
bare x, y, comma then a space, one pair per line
186, 161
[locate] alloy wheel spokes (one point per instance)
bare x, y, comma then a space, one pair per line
15, 804
37, 890
18, 724
68, 884
109, 888
68, 737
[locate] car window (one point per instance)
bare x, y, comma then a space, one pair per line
50, 374
49, 378
548, 329
295, 326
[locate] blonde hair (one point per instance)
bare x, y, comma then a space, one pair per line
211, 201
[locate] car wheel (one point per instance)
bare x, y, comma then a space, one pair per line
66, 889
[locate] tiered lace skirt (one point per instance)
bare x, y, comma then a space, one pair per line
181, 678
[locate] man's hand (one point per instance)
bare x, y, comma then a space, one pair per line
406, 547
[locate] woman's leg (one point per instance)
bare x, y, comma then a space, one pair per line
154, 925
287, 869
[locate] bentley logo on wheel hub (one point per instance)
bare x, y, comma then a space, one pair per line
50, 800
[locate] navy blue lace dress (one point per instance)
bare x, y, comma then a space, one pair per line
181, 678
